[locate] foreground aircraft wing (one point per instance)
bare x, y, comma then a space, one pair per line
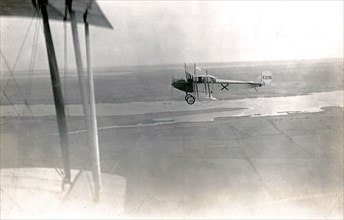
56, 10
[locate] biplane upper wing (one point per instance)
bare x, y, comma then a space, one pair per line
56, 10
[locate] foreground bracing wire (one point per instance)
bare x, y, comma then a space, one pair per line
29, 78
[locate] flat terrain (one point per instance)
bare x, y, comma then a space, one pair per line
285, 166
288, 166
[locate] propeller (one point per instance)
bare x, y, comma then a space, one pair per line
172, 81
186, 75
172, 77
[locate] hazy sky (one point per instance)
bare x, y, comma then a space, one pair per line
177, 32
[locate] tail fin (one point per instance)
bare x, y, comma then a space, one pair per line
266, 77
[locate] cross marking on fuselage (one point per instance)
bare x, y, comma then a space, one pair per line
224, 86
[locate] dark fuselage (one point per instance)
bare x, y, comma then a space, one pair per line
183, 85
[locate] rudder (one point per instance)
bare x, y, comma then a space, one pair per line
266, 77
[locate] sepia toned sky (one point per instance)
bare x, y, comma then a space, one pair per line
164, 32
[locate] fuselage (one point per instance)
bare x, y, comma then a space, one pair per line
183, 85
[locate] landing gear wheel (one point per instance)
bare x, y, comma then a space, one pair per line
187, 96
190, 99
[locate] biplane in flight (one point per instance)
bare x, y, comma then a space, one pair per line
193, 85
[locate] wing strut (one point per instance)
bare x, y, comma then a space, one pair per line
57, 92
87, 95
94, 129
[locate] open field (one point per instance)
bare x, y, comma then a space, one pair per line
284, 166
280, 166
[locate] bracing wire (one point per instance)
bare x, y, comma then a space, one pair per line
16, 84
34, 46
15, 63
10, 102
33, 56
20, 50
31, 69
14, 175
